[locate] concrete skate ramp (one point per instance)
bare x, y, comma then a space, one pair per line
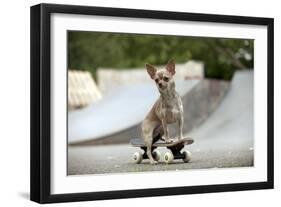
231, 125
116, 117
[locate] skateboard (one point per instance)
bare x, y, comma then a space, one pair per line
175, 148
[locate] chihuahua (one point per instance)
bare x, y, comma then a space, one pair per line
167, 109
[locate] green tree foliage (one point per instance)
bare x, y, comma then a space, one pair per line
90, 50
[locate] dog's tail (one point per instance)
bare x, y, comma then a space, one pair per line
158, 132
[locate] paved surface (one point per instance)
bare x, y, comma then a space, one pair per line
118, 158
224, 140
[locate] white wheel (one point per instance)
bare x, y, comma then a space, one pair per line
187, 156
168, 157
156, 155
137, 157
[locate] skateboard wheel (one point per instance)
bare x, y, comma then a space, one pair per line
168, 157
186, 156
137, 157
156, 155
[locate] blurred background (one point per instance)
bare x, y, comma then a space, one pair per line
110, 93
88, 51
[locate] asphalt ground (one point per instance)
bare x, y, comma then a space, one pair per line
118, 159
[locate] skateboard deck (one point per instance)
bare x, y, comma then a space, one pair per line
175, 147
138, 142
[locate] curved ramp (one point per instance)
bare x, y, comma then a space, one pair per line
120, 111
231, 125
118, 116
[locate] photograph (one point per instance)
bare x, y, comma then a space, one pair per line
139, 103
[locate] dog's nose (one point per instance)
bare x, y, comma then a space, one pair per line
160, 85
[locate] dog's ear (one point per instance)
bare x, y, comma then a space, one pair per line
171, 67
151, 70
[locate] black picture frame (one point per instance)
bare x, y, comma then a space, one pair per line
41, 102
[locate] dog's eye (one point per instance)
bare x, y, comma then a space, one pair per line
156, 80
166, 79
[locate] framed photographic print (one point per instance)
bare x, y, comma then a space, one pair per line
132, 103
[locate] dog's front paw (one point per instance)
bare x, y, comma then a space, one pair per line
168, 140
180, 138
